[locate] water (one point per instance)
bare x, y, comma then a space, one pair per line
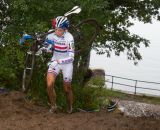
147, 69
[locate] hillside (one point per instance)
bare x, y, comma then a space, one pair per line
17, 114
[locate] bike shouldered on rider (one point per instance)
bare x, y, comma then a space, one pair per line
61, 43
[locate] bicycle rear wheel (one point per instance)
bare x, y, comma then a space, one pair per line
28, 69
87, 31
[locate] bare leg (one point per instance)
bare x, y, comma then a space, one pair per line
50, 89
69, 96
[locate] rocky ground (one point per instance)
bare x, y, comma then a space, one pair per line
17, 114
138, 109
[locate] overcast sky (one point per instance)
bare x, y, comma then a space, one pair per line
149, 31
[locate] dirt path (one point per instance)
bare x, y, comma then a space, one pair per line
16, 114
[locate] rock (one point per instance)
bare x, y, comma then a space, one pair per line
98, 72
137, 109
95, 78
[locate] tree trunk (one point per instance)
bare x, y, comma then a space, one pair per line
81, 66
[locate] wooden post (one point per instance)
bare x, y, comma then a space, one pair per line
112, 83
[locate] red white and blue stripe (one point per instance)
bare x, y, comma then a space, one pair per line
60, 48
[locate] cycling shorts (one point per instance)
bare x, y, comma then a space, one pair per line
66, 69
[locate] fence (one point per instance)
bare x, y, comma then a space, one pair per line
135, 86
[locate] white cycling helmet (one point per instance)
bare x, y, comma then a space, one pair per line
60, 22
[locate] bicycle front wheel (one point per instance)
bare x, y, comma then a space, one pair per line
28, 71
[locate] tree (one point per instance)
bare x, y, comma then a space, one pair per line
114, 17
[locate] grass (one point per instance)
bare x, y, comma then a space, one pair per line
95, 94
132, 97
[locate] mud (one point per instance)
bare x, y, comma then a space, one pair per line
17, 114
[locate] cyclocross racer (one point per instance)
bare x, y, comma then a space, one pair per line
62, 44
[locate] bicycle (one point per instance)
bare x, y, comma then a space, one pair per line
78, 34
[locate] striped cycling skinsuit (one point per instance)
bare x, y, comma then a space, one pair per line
63, 51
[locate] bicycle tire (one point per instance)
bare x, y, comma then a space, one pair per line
28, 69
76, 34
83, 37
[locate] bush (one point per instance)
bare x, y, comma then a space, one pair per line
85, 97
92, 95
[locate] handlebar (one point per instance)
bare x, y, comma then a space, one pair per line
36, 37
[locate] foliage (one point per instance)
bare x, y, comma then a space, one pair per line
90, 97
32, 16
11, 67
87, 97
96, 81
